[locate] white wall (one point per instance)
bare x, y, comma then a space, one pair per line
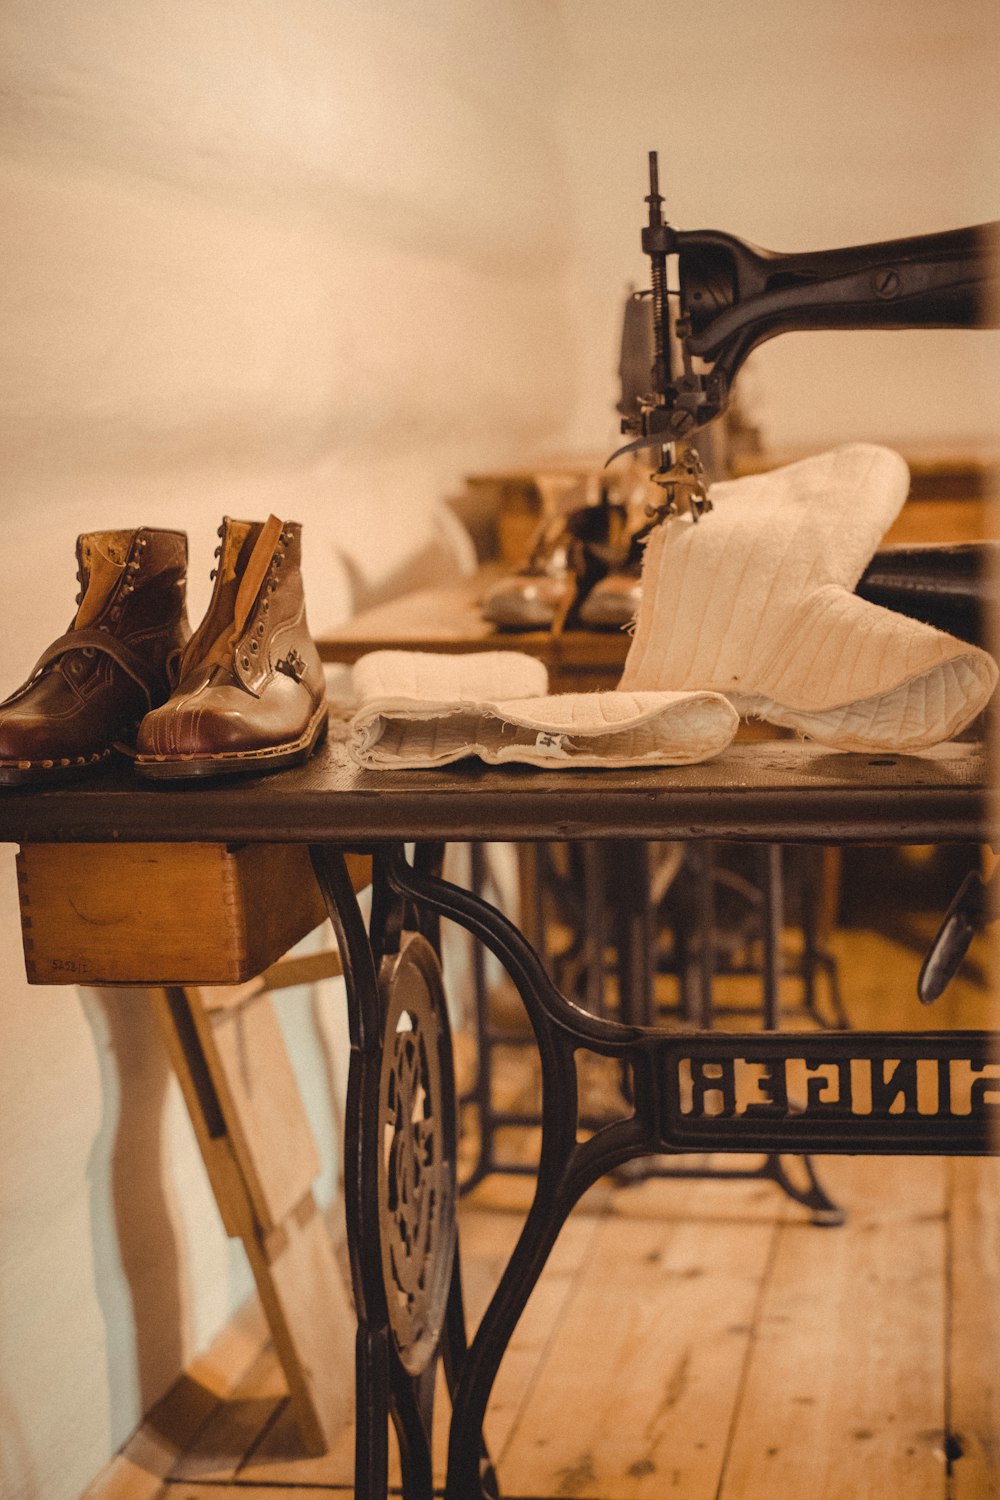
794, 124
307, 257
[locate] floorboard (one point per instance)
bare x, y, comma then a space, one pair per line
633, 1395
844, 1395
974, 1328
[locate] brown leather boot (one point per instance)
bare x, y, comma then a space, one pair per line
90, 688
251, 694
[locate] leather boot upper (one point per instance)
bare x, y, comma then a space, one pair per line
90, 688
251, 679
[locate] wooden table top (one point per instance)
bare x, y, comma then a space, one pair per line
447, 619
779, 790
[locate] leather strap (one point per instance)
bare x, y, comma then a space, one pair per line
108, 645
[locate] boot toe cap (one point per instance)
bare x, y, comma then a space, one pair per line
225, 722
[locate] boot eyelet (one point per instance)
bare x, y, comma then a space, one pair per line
253, 647
244, 661
266, 606
213, 573
260, 627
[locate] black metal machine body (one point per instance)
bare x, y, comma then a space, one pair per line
727, 296
732, 296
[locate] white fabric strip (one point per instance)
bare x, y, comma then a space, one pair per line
421, 709
756, 601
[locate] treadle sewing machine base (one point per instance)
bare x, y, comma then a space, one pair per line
632, 924
781, 1093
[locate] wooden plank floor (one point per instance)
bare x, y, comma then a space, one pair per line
698, 1340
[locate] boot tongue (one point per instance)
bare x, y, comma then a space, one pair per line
255, 572
248, 588
103, 574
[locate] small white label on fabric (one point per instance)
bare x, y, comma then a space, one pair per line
546, 740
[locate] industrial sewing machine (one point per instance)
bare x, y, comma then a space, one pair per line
728, 296
714, 298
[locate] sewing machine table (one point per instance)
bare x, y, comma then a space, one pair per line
689, 1090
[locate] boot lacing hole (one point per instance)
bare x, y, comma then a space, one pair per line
245, 660
253, 647
260, 627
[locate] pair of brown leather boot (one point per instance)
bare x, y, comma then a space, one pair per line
244, 693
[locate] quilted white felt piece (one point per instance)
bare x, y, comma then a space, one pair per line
756, 601
420, 709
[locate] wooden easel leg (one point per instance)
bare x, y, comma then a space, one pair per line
249, 1121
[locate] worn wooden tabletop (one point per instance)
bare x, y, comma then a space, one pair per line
778, 790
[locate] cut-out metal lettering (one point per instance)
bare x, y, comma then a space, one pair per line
848, 1091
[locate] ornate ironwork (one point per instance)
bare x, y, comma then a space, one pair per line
416, 1163
879, 1092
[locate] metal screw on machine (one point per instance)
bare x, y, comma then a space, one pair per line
886, 282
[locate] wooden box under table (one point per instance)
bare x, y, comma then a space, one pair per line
162, 913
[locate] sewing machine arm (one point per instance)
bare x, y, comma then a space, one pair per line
733, 296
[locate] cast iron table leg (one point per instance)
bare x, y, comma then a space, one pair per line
399, 1177
686, 1093
634, 930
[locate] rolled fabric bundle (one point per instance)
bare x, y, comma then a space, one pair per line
756, 601
419, 709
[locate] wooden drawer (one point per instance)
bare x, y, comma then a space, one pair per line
162, 913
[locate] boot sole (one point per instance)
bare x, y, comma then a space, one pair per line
45, 772
237, 762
